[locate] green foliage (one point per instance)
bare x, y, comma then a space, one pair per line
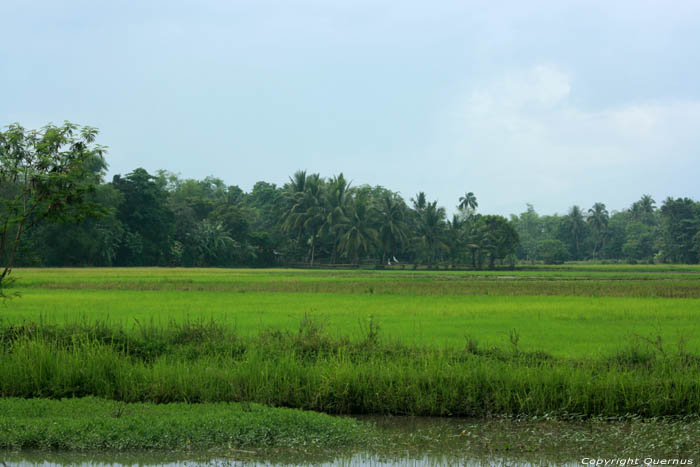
45, 174
165, 220
641, 233
681, 221
311, 370
552, 251
551, 308
146, 219
93, 424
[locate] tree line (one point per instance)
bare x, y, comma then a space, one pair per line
162, 219
644, 233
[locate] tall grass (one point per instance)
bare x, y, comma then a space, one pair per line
204, 362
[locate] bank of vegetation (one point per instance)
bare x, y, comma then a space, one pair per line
307, 369
93, 424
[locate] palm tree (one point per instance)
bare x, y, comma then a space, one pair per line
430, 229
337, 199
359, 236
598, 220
576, 226
297, 182
392, 226
468, 202
306, 211
643, 210
477, 239
211, 242
455, 237
419, 202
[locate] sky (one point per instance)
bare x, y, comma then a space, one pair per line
549, 103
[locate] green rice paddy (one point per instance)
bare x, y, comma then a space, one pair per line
571, 313
581, 343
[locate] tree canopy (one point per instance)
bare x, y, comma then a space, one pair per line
55, 175
45, 175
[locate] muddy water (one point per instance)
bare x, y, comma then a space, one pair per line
357, 460
441, 441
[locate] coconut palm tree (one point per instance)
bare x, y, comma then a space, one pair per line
598, 220
337, 199
468, 202
454, 237
643, 210
419, 202
576, 227
211, 243
306, 211
297, 182
430, 231
359, 235
476, 239
392, 225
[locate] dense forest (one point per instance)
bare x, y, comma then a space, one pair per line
161, 219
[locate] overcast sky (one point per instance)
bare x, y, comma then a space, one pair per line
550, 103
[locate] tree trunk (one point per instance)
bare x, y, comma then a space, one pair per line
313, 249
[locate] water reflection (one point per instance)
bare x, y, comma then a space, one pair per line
356, 460
416, 441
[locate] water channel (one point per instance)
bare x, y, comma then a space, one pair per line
415, 441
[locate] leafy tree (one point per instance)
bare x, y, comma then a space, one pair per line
681, 222
639, 241
572, 231
92, 242
616, 235
553, 251
146, 218
530, 231
45, 174
267, 206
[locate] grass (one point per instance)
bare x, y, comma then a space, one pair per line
560, 325
575, 341
533, 440
92, 424
203, 362
682, 282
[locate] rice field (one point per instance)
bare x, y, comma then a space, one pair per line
576, 343
573, 313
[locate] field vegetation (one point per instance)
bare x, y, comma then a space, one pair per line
58, 173
96, 424
564, 313
392, 342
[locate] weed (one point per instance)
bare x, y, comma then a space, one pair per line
514, 338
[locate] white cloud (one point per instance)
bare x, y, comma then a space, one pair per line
525, 130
